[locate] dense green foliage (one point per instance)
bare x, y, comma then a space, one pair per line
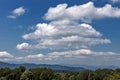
22, 73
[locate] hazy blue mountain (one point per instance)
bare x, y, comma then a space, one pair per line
31, 65
55, 67
99, 67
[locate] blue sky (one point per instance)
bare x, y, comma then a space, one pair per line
69, 32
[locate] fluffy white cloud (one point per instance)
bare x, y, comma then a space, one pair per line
68, 35
54, 29
42, 30
81, 53
37, 56
17, 12
68, 56
85, 12
23, 46
5, 54
64, 30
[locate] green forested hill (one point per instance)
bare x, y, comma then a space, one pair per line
21, 73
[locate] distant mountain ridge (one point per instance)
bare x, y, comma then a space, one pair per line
54, 67
31, 65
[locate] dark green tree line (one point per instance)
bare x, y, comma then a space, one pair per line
22, 73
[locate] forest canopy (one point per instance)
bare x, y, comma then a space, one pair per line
22, 73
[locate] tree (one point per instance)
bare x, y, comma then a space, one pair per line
4, 72
72, 77
15, 73
83, 75
114, 76
46, 75
37, 72
3, 78
91, 76
27, 75
22, 69
100, 74
64, 76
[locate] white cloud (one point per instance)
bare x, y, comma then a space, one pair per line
75, 56
17, 12
64, 30
66, 57
79, 53
63, 36
23, 46
42, 30
5, 54
85, 12
37, 56
67, 34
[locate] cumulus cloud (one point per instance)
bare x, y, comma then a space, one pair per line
41, 31
65, 32
17, 12
37, 56
5, 56
79, 53
63, 36
77, 56
23, 46
69, 56
85, 12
